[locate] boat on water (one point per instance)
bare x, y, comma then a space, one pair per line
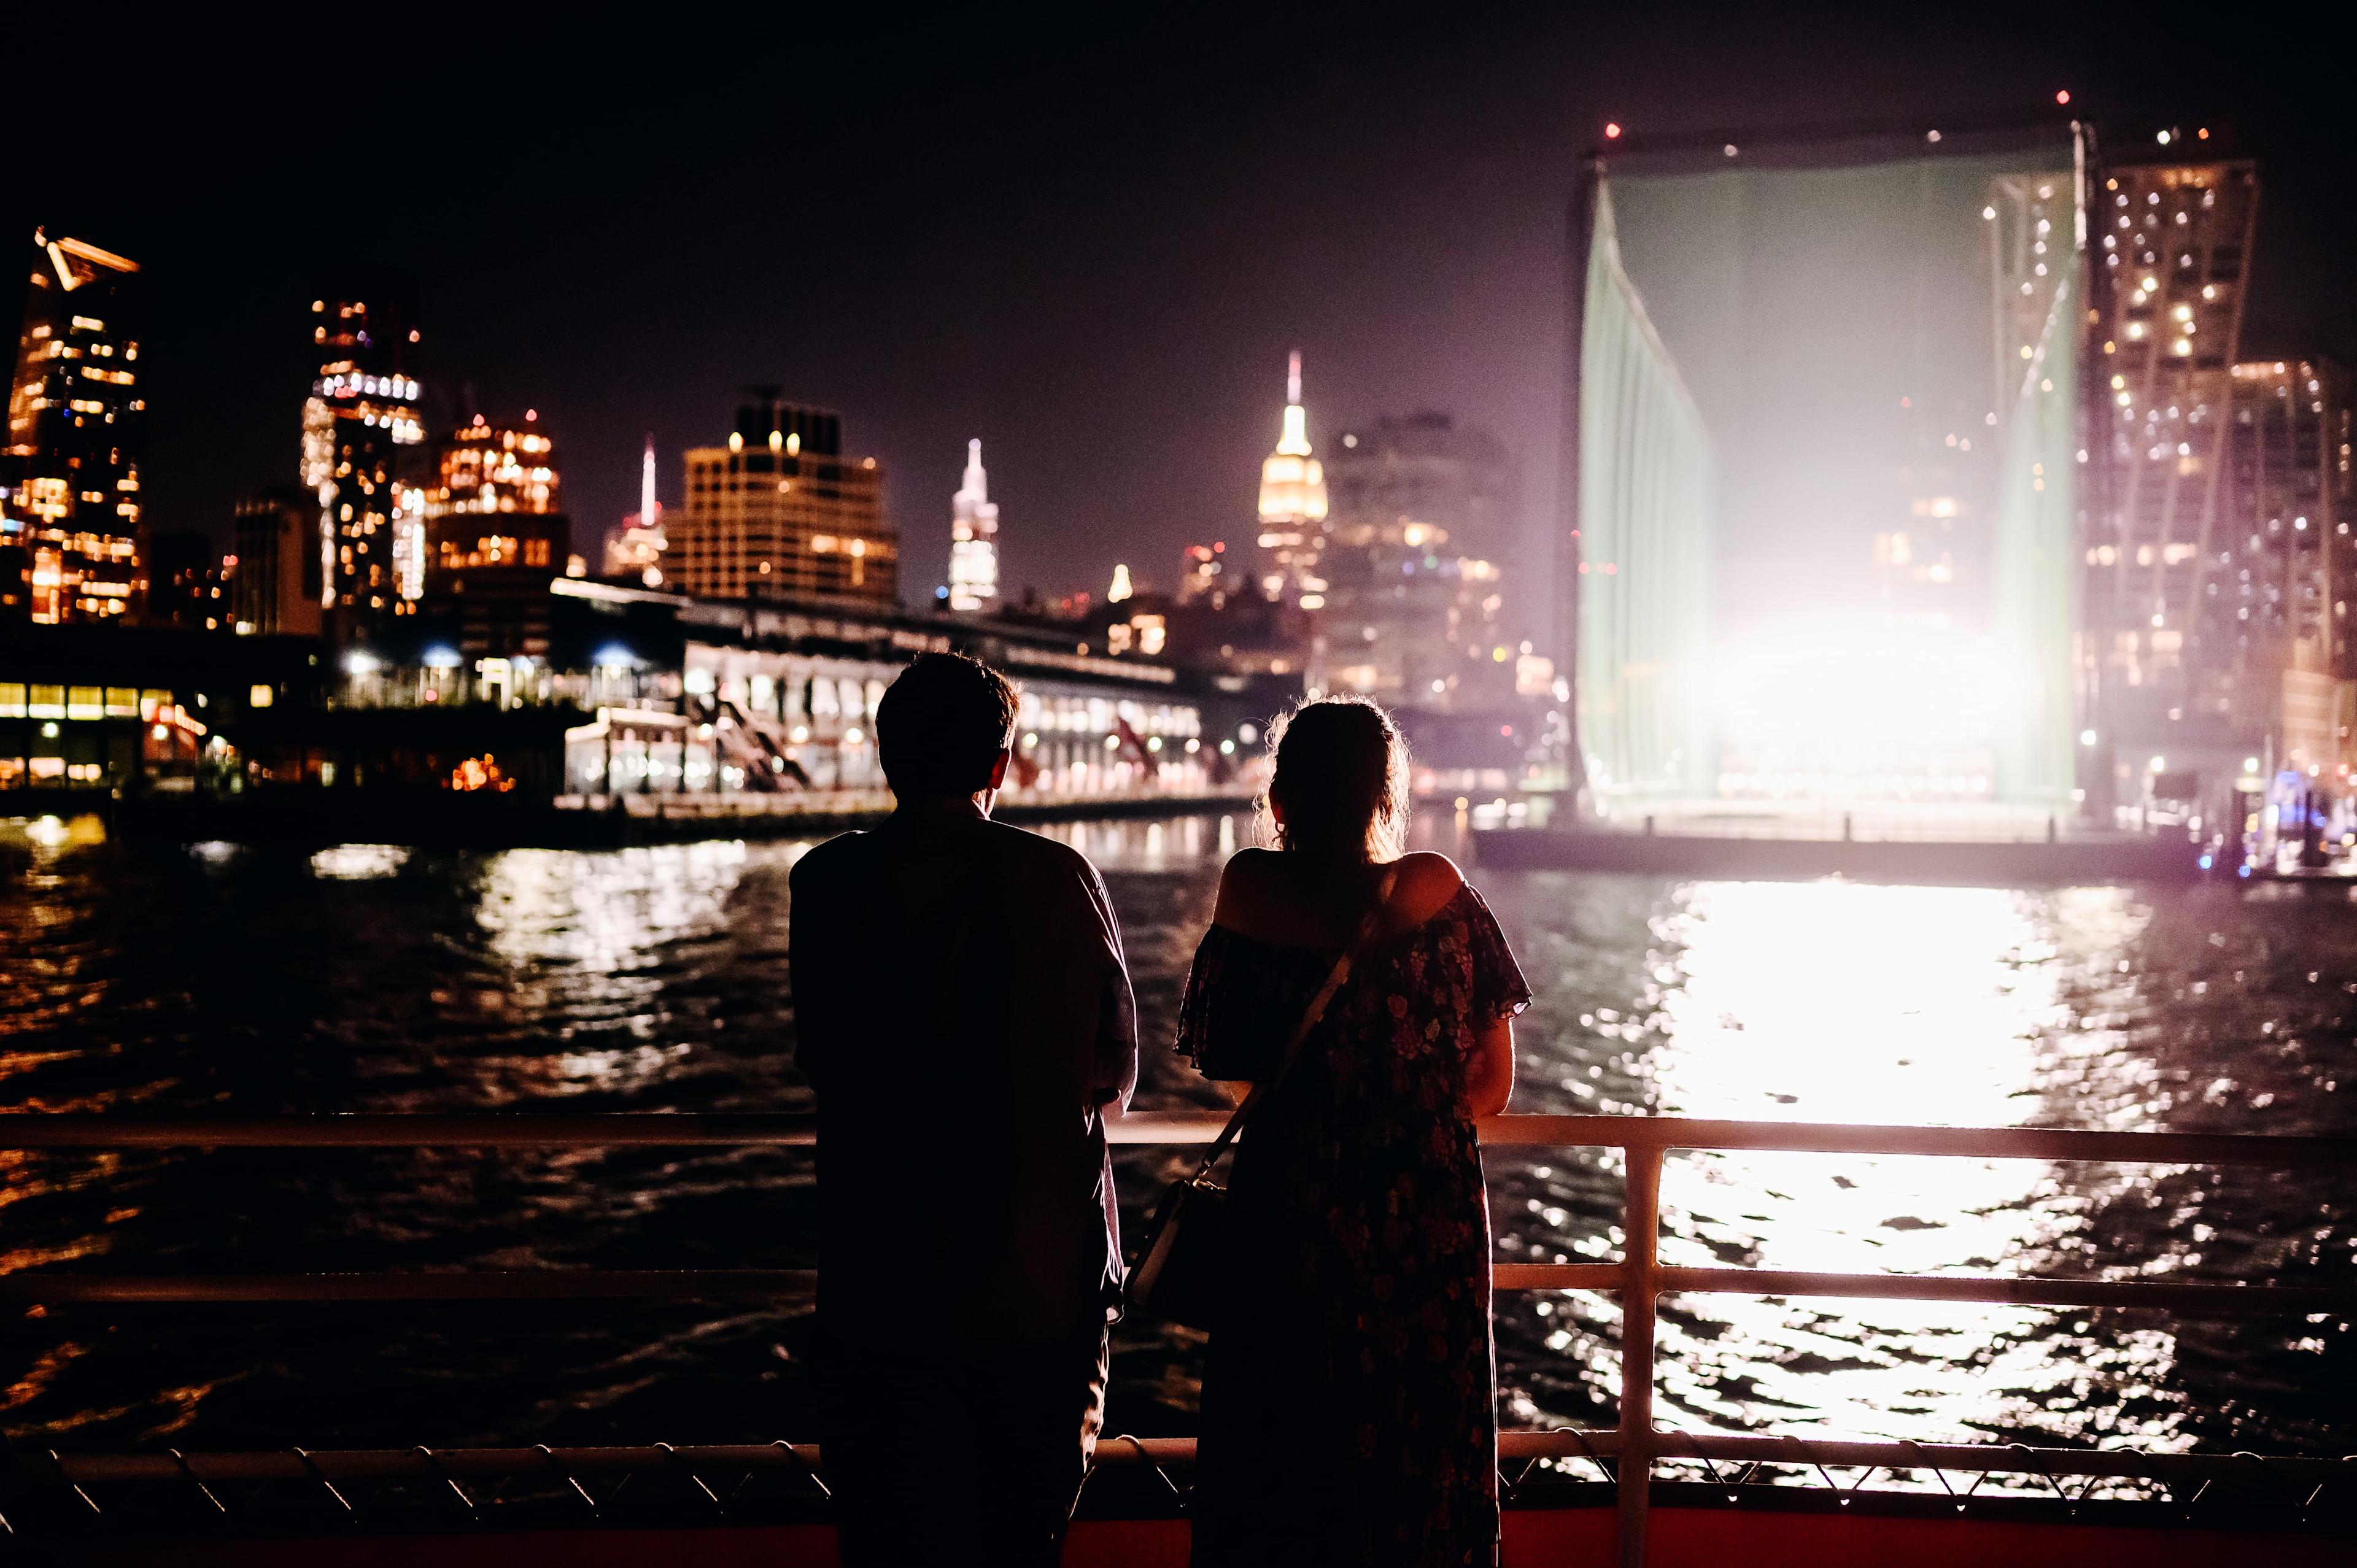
1637, 1493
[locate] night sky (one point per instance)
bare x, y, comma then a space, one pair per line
1089, 244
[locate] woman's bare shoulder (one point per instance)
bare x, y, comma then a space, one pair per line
1427, 881
1245, 886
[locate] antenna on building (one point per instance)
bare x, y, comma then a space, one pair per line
1293, 378
647, 486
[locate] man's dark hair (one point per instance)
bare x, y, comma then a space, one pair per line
942, 724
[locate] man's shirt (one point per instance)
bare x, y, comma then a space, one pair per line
962, 1011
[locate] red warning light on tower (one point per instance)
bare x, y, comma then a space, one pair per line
1612, 130
2063, 96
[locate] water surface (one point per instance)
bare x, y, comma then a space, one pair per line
219, 979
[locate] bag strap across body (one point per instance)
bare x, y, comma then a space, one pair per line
1301, 1031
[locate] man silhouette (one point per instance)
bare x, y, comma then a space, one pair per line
964, 1015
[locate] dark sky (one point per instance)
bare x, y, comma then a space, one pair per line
1089, 243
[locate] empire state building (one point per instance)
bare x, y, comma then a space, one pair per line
1293, 506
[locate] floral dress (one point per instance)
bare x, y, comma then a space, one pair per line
1350, 1390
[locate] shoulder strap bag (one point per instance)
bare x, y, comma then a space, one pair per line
1181, 1273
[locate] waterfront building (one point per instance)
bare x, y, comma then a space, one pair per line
117, 709
2175, 247
973, 541
487, 581
189, 582
361, 415
276, 589
780, 512
634, 553
770, 706
70, 503
1293, 506
2272, 643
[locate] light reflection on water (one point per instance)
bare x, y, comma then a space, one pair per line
369, 979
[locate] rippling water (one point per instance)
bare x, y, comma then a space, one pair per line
220, 979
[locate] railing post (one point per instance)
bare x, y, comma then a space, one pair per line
1640, 1230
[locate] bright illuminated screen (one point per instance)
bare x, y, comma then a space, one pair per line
1827, 479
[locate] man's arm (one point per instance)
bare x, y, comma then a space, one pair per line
807, 964
1114, 1069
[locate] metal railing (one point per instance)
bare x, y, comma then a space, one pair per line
1638, 1279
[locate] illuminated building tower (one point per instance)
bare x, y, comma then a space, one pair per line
70, 530
275, 590
2271, 647
636, 553
1293, 505
1423, 517
780, 512
974, 540
492, 467
362, 410
2174, 243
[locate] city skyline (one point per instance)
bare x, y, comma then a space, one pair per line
1111, 348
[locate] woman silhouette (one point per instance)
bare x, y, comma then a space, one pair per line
1349, 1392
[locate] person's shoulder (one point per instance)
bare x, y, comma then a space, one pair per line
1252, 866
1037, 854
839, 856
1427, 881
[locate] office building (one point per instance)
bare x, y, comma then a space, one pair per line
357, 427
189, 582
2174, 243
781, 513
2271, 647
69, 506
974, 540
487, 467
1292, 506
276, 589
487, 579
1421, 467
1423, 515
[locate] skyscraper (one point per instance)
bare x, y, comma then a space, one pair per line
636, 552
974, 540
1423, 520
189, 584
1293, 506
69, 528
487, 467
780, 511
2166, 331
361, 412
276, 589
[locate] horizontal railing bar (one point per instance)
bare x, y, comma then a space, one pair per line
665, 1285
2230, 1300
2007, 1459
483, 1129
2200, 1300
24, 1130
1967, 1143
506, 1284
394, 1464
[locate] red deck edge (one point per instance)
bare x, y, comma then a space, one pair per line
1682, 1538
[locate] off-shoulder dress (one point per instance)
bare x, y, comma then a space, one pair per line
1348, 1407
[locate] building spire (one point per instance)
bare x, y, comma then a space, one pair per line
973, 586
1293, 380
647, 486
